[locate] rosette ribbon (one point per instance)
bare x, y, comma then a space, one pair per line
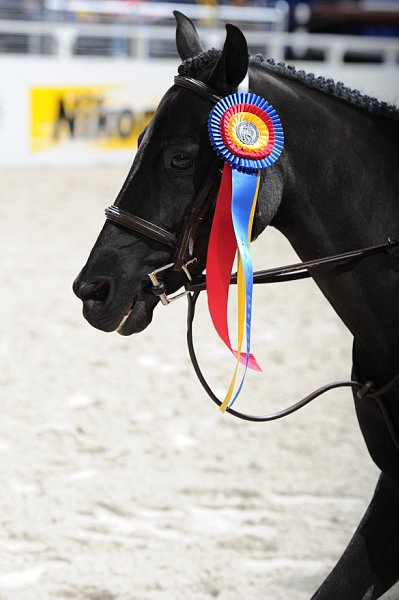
246, 133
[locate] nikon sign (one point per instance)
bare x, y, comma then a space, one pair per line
100, 116
77, 111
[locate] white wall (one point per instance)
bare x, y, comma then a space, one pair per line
30, 96
32, 88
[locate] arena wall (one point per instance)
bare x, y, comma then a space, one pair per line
90, 110
76, 110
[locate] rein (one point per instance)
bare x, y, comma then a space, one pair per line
183, 244
294, 272
300, 270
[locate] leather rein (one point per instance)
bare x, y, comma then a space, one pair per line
183, 245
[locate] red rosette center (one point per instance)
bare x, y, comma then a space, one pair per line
230, 143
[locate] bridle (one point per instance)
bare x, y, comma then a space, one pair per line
183, 245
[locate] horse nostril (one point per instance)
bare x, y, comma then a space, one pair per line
97, 291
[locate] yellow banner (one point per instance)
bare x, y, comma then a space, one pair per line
99, 117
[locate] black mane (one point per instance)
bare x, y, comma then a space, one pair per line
193, 66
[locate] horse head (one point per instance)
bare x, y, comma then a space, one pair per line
173, 160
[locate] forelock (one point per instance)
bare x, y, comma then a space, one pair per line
193, 67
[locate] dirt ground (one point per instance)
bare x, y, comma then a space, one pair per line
120, 480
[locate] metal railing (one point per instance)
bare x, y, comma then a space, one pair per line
61, 39
273, 13
104, 28
146, 30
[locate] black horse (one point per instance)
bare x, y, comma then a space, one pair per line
334, 189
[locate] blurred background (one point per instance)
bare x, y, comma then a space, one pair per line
82, 77
120, 479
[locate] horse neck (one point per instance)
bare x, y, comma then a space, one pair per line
340, 188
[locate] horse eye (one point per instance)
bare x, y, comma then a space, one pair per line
181, 162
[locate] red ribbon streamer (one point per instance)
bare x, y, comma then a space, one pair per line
222, 248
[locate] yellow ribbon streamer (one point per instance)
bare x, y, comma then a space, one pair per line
241, 303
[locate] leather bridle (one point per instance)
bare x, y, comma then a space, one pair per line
183, 245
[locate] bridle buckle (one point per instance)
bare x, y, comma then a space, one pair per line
186, 270
159, 288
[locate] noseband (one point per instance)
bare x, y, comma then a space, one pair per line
183, 245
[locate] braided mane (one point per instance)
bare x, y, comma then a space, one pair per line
193, 66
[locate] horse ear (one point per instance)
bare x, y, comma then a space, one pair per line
187, 40
232, 66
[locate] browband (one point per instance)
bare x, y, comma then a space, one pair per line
199, 87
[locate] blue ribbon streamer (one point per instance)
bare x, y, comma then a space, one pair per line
244, 186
